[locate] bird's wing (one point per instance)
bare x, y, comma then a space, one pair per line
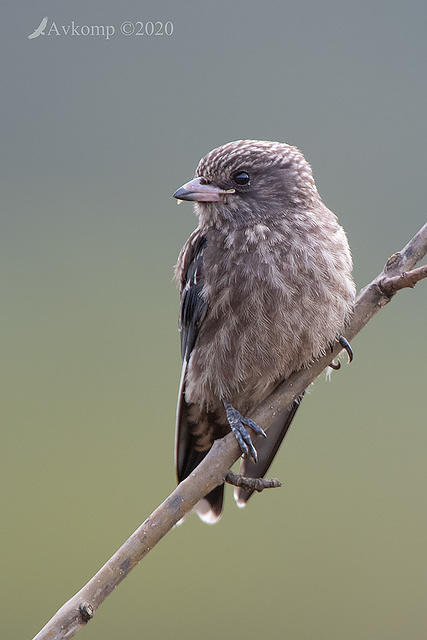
193, 310
193, 303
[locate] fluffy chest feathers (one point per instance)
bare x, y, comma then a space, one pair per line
273, 298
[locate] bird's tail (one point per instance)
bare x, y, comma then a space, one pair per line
267, 449
209, 509
193, 439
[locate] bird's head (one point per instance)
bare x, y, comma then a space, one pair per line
250, 180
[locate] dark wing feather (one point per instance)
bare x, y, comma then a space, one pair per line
193, 310
193, 304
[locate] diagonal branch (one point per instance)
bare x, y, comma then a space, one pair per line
398, 272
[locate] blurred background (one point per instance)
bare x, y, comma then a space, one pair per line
95, 136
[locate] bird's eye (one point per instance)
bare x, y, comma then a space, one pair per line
241, 178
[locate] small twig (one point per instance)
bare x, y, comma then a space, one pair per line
257, 484
389, 286
215, 466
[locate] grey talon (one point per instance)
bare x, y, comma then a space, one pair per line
237, 424
347, 346
255, 427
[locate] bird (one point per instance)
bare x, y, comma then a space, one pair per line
266, 288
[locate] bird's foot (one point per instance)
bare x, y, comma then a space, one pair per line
237, 424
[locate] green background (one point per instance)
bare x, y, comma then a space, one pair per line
95, 136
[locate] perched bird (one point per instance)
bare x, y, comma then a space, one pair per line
266, 288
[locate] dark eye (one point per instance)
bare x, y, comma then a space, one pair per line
241, 177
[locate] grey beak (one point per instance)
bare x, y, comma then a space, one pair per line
198, 191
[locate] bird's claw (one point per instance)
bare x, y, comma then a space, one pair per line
346, 345
237, 424
335, 365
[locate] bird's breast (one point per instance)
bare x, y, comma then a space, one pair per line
272, 307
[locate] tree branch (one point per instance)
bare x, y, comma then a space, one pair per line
214, 468
258, 484
406, 279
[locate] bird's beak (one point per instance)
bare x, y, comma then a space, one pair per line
198, 191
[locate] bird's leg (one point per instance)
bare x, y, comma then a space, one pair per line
346, 345
237, 424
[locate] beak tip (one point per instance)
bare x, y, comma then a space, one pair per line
178, 193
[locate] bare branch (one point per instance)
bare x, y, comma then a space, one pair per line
214, 468
406, 279
257, 484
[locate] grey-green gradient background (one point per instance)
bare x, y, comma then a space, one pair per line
95, 136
